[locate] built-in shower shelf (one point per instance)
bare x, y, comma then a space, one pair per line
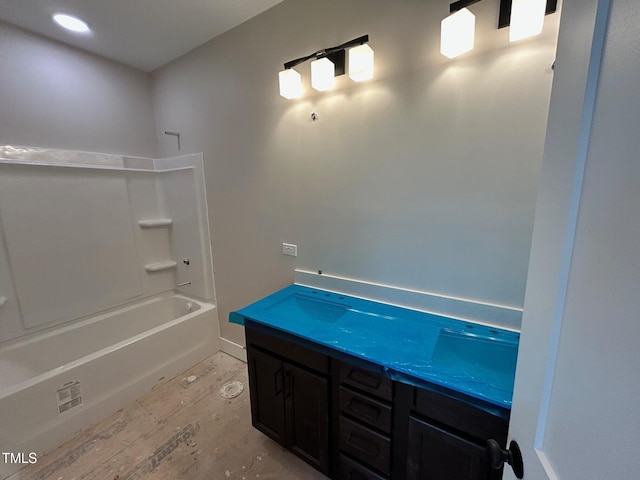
155, 223
160, 266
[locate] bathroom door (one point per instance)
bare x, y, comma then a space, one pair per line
576, 408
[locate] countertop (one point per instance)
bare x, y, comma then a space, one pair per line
410, 345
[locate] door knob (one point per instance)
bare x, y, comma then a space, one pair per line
513, 456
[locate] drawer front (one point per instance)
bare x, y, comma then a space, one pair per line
462, 416
367, 381
373, 412
351, 470
371, 448
259, 336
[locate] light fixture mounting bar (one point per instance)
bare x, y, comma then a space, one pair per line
504, 19
460, 4
335, 54
338, 59
298, 61
351, 43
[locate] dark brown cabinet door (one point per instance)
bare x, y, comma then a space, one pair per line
290, 405
306, 397
435, 454
267, 394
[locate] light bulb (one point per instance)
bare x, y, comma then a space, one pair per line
527, 19
323, 74
290, 83
457, 33
361, 63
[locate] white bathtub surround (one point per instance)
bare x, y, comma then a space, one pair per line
48, 156
83, 232
107, 284
500, 316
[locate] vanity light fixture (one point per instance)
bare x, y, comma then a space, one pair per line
524, 17
527, 19
290, 84
361, 63
457, 33
326, 65
71, 23
323, 74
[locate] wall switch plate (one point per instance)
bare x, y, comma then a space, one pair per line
289, 249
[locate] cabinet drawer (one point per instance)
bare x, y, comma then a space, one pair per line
351, 470
366, 380
462, 416
366, 409
366, 445
262, 337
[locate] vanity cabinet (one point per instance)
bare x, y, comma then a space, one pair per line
345, 417
289, 390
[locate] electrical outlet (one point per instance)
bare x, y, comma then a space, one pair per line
289, 249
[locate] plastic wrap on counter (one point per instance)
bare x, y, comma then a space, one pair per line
410, 345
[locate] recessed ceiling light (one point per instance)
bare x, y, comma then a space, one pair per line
71, 23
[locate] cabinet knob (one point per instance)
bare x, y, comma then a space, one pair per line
513, 456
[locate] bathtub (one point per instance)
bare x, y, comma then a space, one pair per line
56, 383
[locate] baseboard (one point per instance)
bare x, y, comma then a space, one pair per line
233, 349
502, 316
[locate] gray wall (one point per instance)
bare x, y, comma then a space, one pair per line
424, 178
56, 96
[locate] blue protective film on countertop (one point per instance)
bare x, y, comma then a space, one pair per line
474, 359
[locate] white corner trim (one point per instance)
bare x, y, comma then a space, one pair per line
501, 316
234, 349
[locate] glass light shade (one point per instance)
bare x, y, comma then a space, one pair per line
527, 19
361, 63
457, 33
290, 83
71, 23
323, 74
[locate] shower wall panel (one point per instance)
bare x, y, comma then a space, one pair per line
70, 241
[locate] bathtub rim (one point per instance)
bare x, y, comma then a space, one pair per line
204, 306
48, 330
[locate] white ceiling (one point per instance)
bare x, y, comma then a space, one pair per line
145, 34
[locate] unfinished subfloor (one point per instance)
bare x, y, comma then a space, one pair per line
181, 430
